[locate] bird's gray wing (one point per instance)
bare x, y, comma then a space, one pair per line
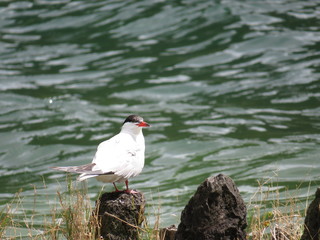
87, 169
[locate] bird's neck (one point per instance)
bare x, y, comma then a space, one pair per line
133, 132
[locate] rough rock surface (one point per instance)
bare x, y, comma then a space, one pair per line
312, 220
216, 211
119, 213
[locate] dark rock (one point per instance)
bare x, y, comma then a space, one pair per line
216, 211
168, 233
120, 215
312, 220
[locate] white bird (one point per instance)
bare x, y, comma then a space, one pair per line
117, 159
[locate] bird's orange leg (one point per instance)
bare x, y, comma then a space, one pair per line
128, 190
115, 187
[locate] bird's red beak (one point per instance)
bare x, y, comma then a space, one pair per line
143, 124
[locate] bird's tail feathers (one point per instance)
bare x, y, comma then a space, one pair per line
76, 169
66, 169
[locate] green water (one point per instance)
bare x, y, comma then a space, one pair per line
229, 87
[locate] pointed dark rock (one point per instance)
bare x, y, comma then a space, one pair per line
216, 211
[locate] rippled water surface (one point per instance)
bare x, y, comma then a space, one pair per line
229, 87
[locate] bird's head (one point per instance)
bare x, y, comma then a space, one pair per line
134, 123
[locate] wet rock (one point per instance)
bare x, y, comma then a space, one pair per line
168, 233
119, 215
216, 211
312, 220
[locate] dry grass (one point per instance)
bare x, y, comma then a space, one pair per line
72, 217
274, 214
75, 218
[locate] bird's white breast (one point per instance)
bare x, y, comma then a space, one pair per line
122, 155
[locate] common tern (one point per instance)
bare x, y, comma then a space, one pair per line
118, 158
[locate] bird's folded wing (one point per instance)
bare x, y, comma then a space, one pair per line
116, 155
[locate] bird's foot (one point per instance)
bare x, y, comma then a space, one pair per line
130, 191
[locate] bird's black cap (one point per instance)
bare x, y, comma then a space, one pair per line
133, 119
